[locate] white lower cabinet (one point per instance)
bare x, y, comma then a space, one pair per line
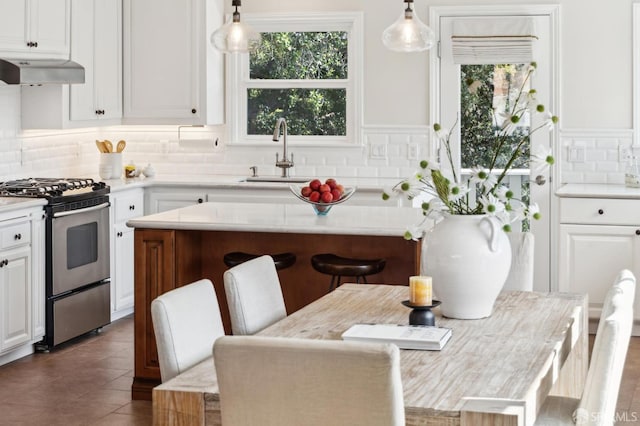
123, 273
598, 238
15, 301
38, 273
21, 282
159, 199
125, 205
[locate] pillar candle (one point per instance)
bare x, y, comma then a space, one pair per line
420, 291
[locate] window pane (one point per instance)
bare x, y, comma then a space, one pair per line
309, 112
478, 126
300, 55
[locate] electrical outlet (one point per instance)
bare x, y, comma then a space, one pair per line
624, 153
413, 150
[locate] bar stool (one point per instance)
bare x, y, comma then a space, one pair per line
281, 260
338, 266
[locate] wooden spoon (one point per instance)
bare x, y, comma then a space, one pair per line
108, 145
121, 145
100, 146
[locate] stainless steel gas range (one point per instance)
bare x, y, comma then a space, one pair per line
77, 254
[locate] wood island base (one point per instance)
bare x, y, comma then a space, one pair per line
166, 259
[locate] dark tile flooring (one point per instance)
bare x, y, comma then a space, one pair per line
88, 382
84, 382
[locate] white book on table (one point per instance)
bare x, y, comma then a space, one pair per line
404, 336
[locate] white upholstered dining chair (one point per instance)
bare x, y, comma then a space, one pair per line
186, 322
254, 295
598, 403
275, 381
521, 272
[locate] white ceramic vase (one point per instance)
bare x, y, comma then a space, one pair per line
469, 257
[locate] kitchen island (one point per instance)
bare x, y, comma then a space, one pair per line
180, 246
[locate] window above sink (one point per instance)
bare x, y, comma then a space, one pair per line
276, 81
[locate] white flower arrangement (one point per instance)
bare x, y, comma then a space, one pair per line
450, 195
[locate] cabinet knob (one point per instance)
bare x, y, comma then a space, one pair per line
637, 231
200, 200
600, 211
132, 207
119, 234
17, 237
193, 110
35, 44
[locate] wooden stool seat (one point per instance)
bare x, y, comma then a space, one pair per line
281, 260
338, 266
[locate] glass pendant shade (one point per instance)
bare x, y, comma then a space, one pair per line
408, 34
235, 36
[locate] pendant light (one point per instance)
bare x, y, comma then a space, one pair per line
408, 33
235, 36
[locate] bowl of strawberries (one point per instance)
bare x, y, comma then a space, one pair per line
322, 195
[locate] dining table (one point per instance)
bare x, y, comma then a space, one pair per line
493, 371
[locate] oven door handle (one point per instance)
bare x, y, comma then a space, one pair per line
85, 210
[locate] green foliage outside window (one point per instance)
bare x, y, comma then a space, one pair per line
299, 56
478, 129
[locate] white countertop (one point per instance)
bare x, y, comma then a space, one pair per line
8, 204
343, 219
236, 182
592, 190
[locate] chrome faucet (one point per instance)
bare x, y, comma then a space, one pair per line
284, 164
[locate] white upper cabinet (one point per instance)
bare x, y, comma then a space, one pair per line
96, 44
171, 73
35, 28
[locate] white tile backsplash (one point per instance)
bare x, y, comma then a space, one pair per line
601, 163
73, 152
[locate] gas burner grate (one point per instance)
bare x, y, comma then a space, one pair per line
44, 187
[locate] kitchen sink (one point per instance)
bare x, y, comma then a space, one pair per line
290, 179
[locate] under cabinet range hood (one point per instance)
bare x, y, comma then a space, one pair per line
41, 71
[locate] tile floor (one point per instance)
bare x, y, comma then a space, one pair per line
88, 382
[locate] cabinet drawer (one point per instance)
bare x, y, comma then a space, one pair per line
600, 211
15, 235
127, 206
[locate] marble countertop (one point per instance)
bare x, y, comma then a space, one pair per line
8, 204
591, 190
235, 182
343, 219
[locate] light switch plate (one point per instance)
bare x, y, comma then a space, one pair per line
378, 150
413, 151
576, 154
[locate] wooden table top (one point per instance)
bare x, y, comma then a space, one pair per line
506, 363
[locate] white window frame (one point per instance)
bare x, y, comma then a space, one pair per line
238, 82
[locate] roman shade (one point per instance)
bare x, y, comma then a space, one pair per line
494, 40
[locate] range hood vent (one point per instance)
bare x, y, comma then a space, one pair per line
40, 71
